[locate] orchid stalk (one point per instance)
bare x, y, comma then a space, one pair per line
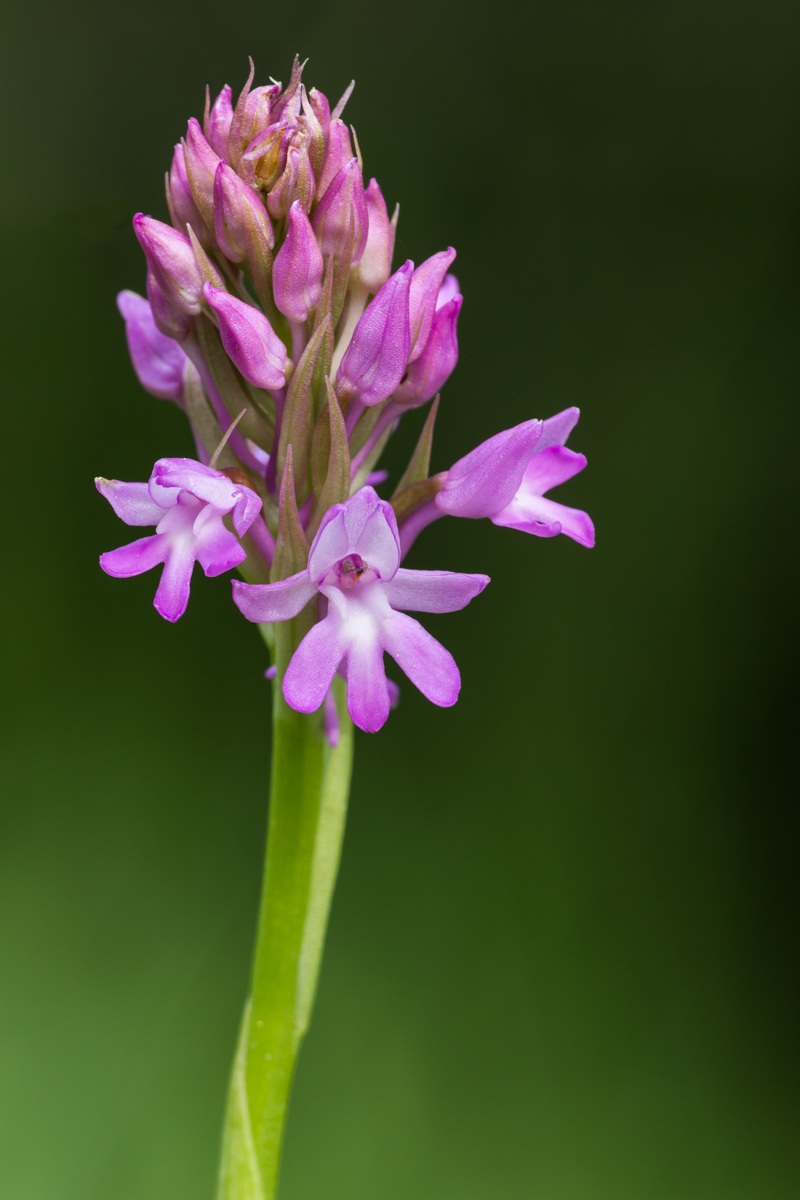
273, 317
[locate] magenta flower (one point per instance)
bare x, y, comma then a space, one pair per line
506, 477
186, 501
354, 562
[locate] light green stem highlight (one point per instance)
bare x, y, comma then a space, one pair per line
308, 805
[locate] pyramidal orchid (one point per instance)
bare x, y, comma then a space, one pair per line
274, 318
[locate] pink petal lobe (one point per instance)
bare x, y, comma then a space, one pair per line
425, 661
268, 602
433, 591
135, 558
131, 502
314, 664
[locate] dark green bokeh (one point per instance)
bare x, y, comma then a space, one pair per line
562, 961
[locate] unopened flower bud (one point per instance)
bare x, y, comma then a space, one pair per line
321, 109
248, 338
251, 116
297, 270
338, 152
375, 361
431, 370
201, 167
217, 123
315, 135
172, 261
241, 225
180, 199
423, 296
375, 264
342, 213
169, 319
263, 161
295, 183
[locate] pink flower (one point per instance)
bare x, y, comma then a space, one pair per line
186, 502
506, 478
354, 563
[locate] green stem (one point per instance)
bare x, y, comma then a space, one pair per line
308, 805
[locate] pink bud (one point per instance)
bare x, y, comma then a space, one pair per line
297, 270
431, 370
338, 153
322, 109
201, 166
248, 338
180, 200
263, 161
295, 183
217, 122
341, 210
315, 137
422, 299
172, 261
375, 361
168, 319
375, 265
251, 116
241, 225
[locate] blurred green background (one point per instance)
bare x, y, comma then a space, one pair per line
563, 956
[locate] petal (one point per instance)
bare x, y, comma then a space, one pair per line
423, 295
433, 591
364, 525
367, 690
556, 430
425, 661
546, 518
268, 602
172, 593
550, 468
136, 557
215, 547
314, 664
157, 360
485, 480
130, 501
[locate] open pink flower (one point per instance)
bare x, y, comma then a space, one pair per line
186, 502
354, 562
506, 478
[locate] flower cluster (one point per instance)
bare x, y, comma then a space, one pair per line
274, 319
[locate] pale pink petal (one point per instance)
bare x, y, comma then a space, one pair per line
433, 591
425, 661
136, 557
550, 468
268, 602
546, 518
314, 664
130, 501
367, 691
172, 593
215, 547
556, 430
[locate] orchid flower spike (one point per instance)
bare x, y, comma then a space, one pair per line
186, 502
354, 564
